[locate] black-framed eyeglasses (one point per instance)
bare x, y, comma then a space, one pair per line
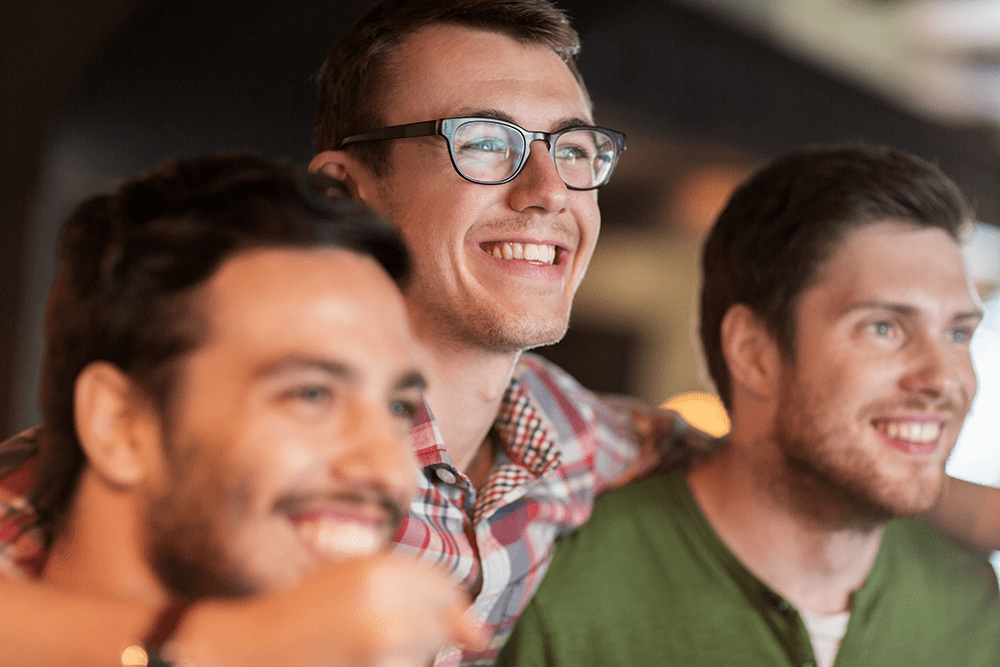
491, 152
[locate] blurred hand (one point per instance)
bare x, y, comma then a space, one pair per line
379, 611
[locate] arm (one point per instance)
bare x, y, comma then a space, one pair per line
364, 611
969, 513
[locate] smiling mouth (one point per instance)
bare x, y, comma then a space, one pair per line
538, 253
916, 432
337, 538
343, 525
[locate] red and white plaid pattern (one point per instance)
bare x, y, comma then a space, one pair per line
560, 446
21, 553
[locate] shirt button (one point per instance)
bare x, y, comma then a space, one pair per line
445, 475
784, 608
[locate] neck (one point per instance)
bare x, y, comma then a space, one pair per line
465, 388
817, 566
97, 551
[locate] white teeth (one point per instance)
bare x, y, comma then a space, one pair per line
339, 539
919, 432
530, 252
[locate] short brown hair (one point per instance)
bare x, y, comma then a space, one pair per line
781, 225
354, 79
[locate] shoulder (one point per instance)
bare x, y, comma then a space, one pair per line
935, 574
574, 409
19, 451
912, 539
644, 512
542, 377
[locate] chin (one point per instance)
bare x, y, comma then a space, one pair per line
516, 336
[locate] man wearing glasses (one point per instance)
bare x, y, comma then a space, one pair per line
468, 127
480, 147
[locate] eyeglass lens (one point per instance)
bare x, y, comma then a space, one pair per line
492, 152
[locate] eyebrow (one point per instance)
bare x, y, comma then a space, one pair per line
412, 380
909, 311
496, 114
297, 363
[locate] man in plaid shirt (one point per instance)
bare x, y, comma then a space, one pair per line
467, 125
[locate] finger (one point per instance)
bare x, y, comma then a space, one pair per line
465, 632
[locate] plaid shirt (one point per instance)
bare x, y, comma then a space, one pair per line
558, 446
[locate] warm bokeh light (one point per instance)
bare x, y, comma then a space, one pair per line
134, 656
702, 410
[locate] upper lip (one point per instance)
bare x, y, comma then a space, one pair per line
357, 506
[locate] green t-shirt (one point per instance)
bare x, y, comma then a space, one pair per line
648, 582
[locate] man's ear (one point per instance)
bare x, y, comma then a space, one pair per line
114, 424
751, 353
341, 166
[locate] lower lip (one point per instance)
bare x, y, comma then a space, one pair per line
528, 269
911, 448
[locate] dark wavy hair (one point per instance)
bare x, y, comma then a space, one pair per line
787, 220
129, 264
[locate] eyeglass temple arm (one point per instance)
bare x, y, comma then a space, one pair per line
422, 129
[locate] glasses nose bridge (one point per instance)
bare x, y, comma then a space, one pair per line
530, 138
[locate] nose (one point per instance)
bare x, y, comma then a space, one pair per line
376, 452
940, 370
539, 185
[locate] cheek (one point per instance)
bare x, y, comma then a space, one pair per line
588, 214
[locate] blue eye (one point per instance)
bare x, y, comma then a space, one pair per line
961, 335
573, 152
405, 409
487, 145
882, 328
312, 393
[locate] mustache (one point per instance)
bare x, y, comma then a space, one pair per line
392, 511
514, 224
944, 404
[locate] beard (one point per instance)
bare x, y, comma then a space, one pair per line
827, 475
196, 539
189, 521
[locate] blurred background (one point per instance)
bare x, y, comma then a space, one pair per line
94, 92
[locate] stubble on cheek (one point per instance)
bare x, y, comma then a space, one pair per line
837, 472
192, 527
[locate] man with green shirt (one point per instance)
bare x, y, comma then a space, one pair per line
836, 316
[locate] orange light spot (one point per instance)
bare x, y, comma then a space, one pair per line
702, 410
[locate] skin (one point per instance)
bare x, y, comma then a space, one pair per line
308, 410
471, 312
814, 466
295, 409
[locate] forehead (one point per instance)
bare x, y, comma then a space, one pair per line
445, 70
321, 302
897, 262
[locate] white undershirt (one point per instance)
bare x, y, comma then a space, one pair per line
826, 632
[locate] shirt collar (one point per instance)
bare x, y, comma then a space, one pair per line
528, 438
